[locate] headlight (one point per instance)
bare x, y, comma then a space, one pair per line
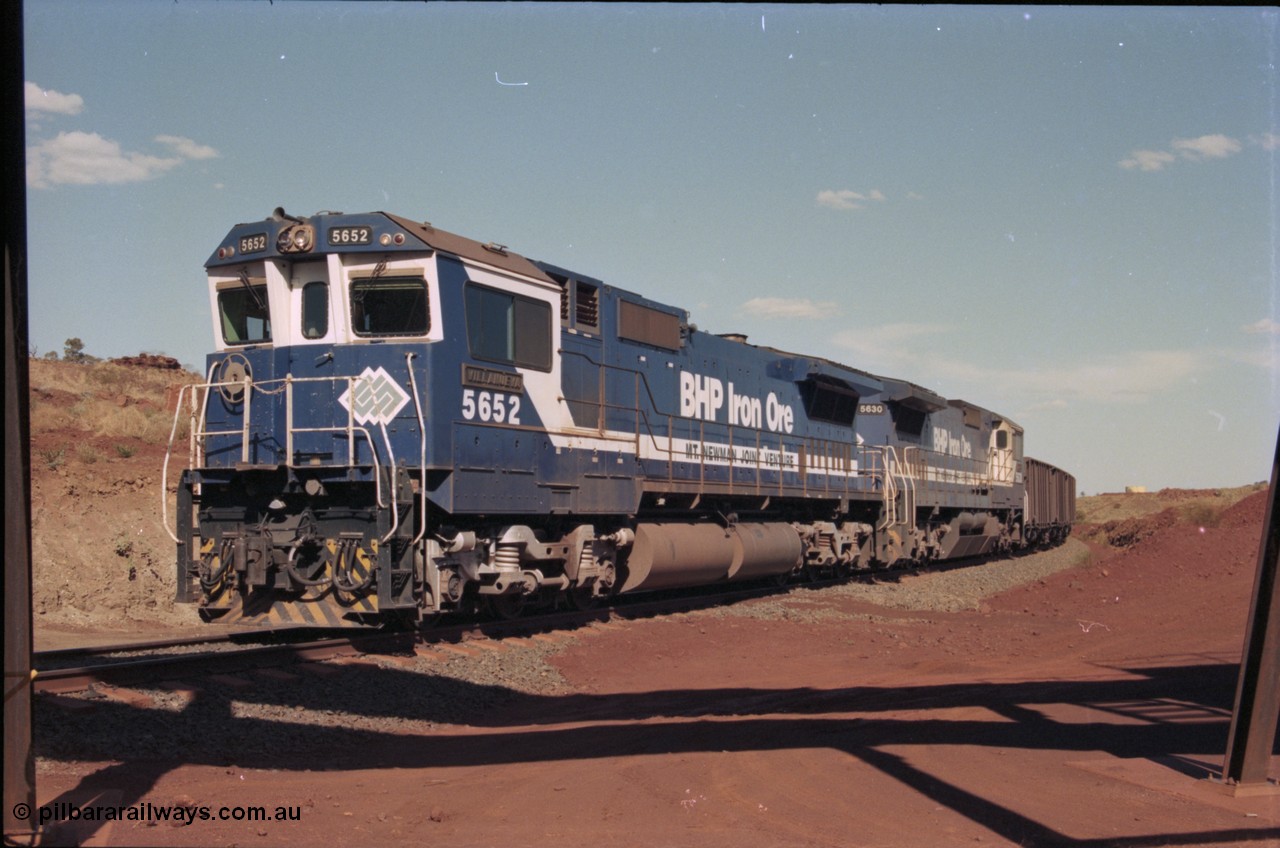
299, 238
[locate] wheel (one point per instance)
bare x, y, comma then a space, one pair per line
582, 597
398, 622
506, 607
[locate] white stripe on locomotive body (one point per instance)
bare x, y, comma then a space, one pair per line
766, 457
782, 456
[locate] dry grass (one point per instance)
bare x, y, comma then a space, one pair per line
126, 405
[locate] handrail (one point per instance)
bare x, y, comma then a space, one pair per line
395, 490
865, 455
164, 468
195, 441
910, 500
422, 452
198, 435
890, 488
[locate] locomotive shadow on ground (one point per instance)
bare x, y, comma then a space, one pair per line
784, 719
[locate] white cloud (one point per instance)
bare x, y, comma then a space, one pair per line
1131, 377
921, 353
47, 100
1206, 147
186, 148
1056, 403
80, 158
1263, 357
890, 349
1128, 377
1266, 353
783, 307
1148, 160
875, 339
1265, 326
847, 198
1200, 149
1267, 141
85, 158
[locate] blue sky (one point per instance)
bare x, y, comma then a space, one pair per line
1068, 215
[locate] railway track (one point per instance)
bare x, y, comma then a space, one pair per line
172, 666
140, 663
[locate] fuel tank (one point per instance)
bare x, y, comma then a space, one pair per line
671, 555
762, 550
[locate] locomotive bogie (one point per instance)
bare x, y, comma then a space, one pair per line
401, 421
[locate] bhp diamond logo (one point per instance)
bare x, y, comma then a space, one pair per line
375, 397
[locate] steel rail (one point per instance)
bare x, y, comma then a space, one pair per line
186, 666
194, 665
54, 654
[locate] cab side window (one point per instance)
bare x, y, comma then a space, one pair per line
390, 306
506, 328
315, 310
244, 315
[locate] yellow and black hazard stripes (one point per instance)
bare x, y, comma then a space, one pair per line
342, 592
272, 608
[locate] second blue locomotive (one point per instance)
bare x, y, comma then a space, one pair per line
399, 421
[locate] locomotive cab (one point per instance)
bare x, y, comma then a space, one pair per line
310, 443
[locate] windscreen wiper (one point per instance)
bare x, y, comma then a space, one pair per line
253, 292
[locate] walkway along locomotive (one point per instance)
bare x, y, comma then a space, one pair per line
398, 421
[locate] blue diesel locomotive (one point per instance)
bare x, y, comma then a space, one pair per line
398, 421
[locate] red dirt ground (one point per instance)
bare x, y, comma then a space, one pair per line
1085, 709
